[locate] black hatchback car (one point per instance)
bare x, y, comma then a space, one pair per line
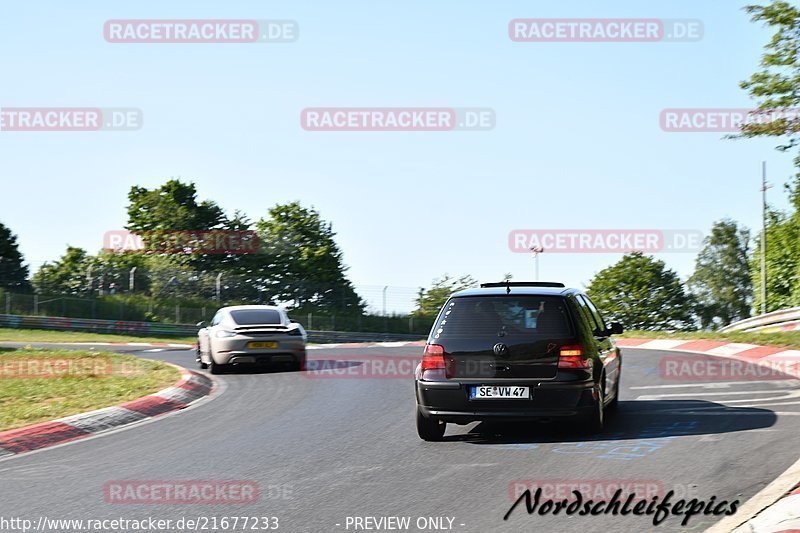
517, 351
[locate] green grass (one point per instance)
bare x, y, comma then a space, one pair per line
45, 335
37, 385
789, 339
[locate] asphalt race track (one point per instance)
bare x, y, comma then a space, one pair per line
324, 448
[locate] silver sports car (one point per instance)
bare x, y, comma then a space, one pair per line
250, 334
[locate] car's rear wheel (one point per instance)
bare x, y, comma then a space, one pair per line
615, 402
199, 359
596, 419
214, 367
430, 429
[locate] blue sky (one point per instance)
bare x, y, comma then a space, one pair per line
577, 142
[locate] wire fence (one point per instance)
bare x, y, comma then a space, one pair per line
138, 307
99, 280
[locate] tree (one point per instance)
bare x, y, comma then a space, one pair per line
161, 214
166, 212
429, 302
641, 293
297, 262
171, 207
783, 256
721, 282
776, 88
776, 85
13, 273
300, 261
67, 275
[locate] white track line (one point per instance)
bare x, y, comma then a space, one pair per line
726, 393
719, 384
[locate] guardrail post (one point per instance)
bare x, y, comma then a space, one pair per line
310, 326
8, 303
411, 324
177, 313
35, 304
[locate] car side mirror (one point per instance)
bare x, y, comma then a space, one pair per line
293, 321
202, 324
615, 328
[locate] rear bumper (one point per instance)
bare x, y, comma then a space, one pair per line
255, 358
449, 402
237, 350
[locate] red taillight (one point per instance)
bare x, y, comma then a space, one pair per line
433, 357
572, 356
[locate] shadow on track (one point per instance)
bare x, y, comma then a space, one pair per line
314, 365
633, 420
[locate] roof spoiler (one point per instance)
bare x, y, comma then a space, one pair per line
522, 284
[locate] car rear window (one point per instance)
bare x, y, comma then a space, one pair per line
476, 316
250, 317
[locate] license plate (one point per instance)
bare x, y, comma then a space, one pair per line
499, 392
262, 344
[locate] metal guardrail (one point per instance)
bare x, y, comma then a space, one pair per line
117, 327
783, 320
354, 336
154, 329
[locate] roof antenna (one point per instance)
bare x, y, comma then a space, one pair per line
508, 287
